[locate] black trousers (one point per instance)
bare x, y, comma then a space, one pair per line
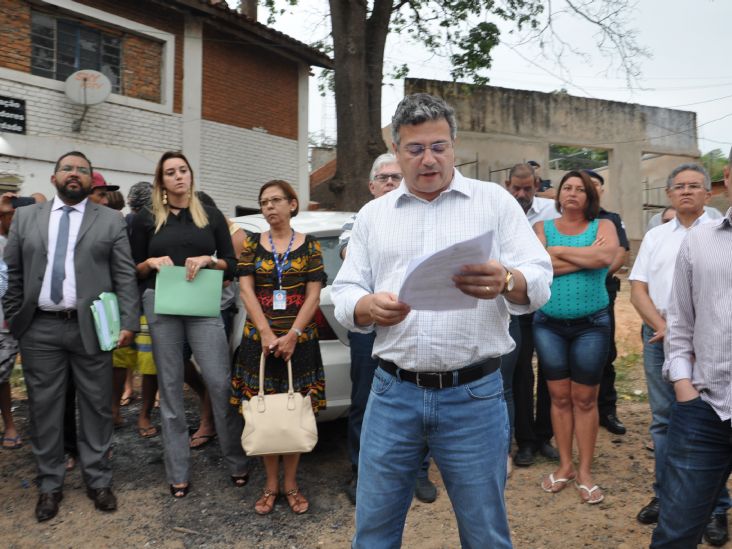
532, 427
607, 397
70, 444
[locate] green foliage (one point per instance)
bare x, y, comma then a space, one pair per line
565, 158
714, 161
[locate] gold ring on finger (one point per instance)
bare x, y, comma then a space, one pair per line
488, 289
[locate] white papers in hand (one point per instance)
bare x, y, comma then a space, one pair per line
428, 281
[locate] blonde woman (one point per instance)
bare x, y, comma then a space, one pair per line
181, 231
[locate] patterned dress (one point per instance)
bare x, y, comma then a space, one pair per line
304, 264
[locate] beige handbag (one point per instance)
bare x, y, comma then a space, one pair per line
283, 423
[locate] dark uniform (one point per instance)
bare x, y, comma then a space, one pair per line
608, 397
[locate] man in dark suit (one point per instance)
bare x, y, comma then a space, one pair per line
61, 255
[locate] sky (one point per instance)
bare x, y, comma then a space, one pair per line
686, 70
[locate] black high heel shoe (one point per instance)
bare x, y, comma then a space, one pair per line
179, 491
240, 481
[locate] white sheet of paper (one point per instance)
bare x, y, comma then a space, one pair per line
428, 284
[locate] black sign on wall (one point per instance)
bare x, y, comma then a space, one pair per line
12, 115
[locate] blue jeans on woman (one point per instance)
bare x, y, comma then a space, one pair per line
698, 463
466, 429
573, 348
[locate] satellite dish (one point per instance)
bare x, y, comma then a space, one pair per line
87, 87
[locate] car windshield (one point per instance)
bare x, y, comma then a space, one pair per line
331, 258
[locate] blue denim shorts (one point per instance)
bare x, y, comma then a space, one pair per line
573, 348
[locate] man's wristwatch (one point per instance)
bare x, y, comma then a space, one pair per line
508, 283
298, 332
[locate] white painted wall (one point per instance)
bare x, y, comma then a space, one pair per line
236, 162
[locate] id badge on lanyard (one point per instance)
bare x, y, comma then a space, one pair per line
279, 296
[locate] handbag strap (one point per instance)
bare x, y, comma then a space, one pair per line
262, 360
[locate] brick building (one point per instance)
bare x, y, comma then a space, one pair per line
190, 75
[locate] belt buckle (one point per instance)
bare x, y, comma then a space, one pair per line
418, 374
67, 314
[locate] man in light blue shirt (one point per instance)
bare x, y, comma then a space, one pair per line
438, 387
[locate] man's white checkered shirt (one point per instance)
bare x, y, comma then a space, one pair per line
397, 227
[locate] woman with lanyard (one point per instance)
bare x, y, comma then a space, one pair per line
181, 231
280, 277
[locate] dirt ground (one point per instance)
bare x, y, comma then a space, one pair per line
215, 514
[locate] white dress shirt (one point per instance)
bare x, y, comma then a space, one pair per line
397, 227
542, 209
75, 216
700, 315
656, 259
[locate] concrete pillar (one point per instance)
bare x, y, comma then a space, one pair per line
303, 172
192, 91
625, 188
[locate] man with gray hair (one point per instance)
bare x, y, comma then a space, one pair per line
438, 386
688, 187
698, 363
385, 176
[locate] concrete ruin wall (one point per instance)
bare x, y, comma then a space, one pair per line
498, 127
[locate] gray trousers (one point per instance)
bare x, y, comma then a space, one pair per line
207, 339
52, 351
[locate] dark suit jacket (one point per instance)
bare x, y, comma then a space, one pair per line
102, 263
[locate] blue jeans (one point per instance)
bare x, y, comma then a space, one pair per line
362, 375
574, 348
698, 462
660, 398
465, 428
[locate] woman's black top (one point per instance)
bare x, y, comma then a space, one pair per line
179, 238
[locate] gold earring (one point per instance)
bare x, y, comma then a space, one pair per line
165, 198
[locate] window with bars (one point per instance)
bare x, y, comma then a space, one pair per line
60, 47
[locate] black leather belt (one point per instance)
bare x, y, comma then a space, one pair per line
68, 314
442, 380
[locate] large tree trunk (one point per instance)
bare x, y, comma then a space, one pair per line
358, 45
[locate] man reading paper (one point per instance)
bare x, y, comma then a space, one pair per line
438, 386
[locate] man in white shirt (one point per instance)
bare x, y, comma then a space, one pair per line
533, 430
687, 187
438, 387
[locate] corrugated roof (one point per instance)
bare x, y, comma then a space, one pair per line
275, 38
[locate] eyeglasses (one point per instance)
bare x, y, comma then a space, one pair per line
384, 177
416, 149
69, 169
275, 201
690, 186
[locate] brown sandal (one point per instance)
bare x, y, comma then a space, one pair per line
297, 502
264, 505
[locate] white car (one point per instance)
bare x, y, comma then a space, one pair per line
326, 228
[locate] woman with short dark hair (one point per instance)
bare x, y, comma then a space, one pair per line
572, 331
280, 277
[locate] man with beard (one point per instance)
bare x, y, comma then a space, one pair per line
61, 255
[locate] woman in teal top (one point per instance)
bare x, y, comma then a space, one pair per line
572, 331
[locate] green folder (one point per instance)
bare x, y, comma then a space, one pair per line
174, 295
105, 311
